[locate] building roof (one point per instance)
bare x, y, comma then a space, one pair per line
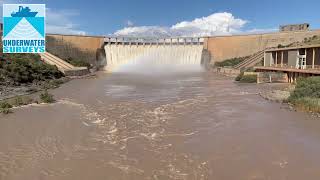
295, 47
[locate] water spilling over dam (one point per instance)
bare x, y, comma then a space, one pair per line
153, 53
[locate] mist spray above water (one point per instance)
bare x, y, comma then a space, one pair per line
153, 59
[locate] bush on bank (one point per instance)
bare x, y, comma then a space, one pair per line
78, 63
230, 62
16, 69
307, 104
238, 78
46, 97
5, 107
307, 87
306, 95
251, 78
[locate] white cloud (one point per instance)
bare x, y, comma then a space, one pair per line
60, 22
214, 24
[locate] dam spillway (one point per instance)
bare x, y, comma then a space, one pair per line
178, 51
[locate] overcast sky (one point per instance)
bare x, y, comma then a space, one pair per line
175, 17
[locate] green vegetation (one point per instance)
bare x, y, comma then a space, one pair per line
5, 107
17, 69
281, 46
46, 97
230, 62
252, 78
306, 96
21, 100
312, 40
249, 78
78, 62
307, 104
238, 78
307, 41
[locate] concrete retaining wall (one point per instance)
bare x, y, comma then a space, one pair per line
272, 77
227, 71
226, 47
85, 43
84, 48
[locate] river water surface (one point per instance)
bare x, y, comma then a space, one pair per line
187, 125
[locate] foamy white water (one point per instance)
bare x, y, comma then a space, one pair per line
121, 57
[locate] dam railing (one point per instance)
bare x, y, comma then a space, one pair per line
154, 41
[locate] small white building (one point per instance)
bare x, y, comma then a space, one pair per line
302, 57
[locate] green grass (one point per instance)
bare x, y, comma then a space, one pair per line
24, 71
247, 78
78, 62
5, 108
306, 87
307, 104
47, 97
238, 78
230, 62
7, 105
21, 100
306, 95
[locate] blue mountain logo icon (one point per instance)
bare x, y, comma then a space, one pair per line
23, 28
24, 12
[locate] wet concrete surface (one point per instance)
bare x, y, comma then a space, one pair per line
178, 126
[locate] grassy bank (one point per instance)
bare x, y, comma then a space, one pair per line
306, 95
7, 105
230, 62
18, 69
249, 78
78, 62
22, 74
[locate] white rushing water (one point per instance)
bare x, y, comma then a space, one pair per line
118, 56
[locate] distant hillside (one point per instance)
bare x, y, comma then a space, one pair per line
307, 41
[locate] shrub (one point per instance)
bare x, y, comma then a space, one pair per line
27, 71
238, 78
5, 111
5, 107
306, 87
46, 97
230, 62
306, 95
21, 100
307, 104
252, 78
18, 101
78, 63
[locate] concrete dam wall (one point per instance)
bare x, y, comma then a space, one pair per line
218, 48
85, 48
226, 47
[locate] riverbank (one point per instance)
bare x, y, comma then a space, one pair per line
302, 96
8, 92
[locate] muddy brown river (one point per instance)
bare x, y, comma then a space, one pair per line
131, 126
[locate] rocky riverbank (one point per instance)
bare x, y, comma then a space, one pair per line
11, 91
